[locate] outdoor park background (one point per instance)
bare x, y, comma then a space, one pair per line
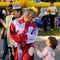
56, 32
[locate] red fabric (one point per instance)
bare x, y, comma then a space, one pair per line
33, 24
28, 57
13, 35
27, 23
24, 39
25, 53
15, 53
21, 21
19, 38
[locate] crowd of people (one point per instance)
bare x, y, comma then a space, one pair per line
19, 32
48, 17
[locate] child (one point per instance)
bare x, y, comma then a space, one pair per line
48, 53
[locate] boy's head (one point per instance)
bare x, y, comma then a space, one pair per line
52, 42
17, 10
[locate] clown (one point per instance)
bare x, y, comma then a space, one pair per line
23, 32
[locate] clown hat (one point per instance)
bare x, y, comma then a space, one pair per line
33, 9
16, 6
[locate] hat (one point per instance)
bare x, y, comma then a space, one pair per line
16, 6
33, 9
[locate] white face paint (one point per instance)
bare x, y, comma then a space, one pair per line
31, 51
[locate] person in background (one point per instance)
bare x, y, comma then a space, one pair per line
1, 16
48, 53
1, 25
56, 22
45, 20
52, 14
17, 11
8, 11
3, 35
38, 19
23, 32
11, 5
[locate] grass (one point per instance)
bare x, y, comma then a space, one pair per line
55, 32
0, 29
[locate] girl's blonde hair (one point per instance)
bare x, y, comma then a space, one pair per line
29, 11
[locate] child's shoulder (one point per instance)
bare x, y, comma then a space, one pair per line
50, 51
48, 48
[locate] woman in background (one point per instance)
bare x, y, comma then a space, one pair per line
52, 14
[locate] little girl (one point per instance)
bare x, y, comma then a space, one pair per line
48, 53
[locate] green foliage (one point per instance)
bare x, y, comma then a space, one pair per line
55, 32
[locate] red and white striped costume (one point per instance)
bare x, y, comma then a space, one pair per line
23, 35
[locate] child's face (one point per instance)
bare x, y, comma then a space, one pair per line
48, 42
